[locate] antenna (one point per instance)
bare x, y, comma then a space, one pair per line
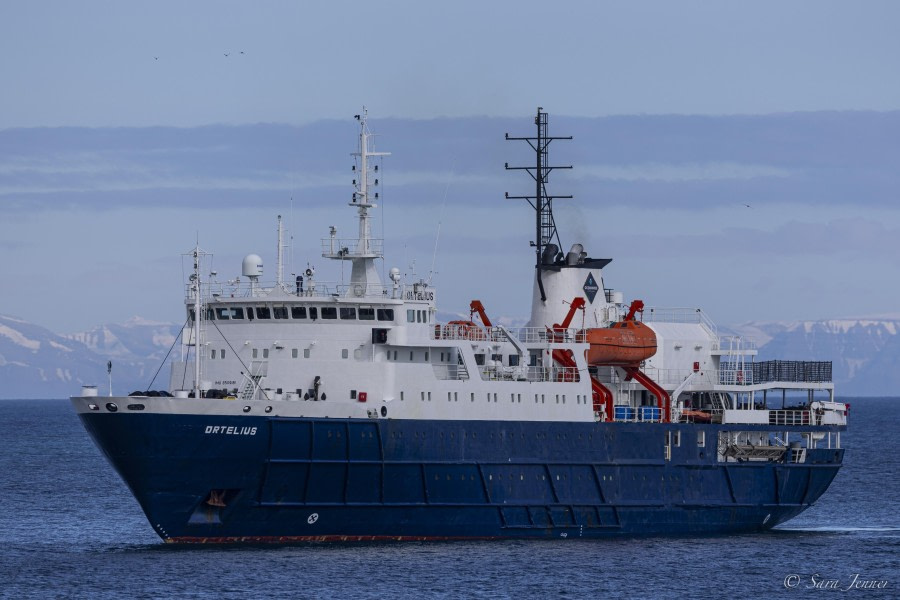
279, 268
440, 221
541, 202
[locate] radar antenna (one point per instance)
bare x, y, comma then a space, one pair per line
541, 201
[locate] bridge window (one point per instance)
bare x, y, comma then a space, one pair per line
367, 314
329, 312
281, 312
298, 312
348, 313
514, 360
223, 313
479, 360
263, 312
410, 316
210, 314
237, 312
385, 314
313, 313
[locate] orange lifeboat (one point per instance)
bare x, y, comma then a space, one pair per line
624, 343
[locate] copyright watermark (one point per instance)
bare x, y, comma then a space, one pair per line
820, 582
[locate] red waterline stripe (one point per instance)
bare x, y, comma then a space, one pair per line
270, 539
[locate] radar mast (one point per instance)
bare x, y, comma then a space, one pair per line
546, 252
363, 251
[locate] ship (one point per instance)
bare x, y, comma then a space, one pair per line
316, 410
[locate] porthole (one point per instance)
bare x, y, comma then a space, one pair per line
246, 409
268, 409
111, 407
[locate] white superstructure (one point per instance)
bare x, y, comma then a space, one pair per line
369, 348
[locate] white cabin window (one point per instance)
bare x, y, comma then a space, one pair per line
410, 316
255, 353
410, 356
455, 399
366, 314
222, 353
449, 396
294, 353
423, 396
472, 396
213, 353
429, 396
345, 353
265, 353
357, 353
306, 353
401, 396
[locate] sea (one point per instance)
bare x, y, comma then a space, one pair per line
69, 528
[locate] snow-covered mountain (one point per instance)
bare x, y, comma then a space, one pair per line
865, 352
38, 363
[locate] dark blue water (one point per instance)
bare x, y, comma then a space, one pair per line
70, 528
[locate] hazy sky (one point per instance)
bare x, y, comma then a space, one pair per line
109, 236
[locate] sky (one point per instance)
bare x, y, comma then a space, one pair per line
129, 131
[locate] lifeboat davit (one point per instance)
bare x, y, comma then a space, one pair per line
621, 344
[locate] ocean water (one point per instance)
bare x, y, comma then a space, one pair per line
69, 528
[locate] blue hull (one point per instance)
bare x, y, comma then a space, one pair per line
281, 479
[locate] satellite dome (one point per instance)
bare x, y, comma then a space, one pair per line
253, 266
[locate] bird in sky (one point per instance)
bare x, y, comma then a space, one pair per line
228, 54
748, 206
155, 58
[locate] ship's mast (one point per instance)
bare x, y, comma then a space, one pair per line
541, 202
363, 252
198, 306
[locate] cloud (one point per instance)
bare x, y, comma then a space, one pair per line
677, 162
853, 238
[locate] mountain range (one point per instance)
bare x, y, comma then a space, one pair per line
38, 363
